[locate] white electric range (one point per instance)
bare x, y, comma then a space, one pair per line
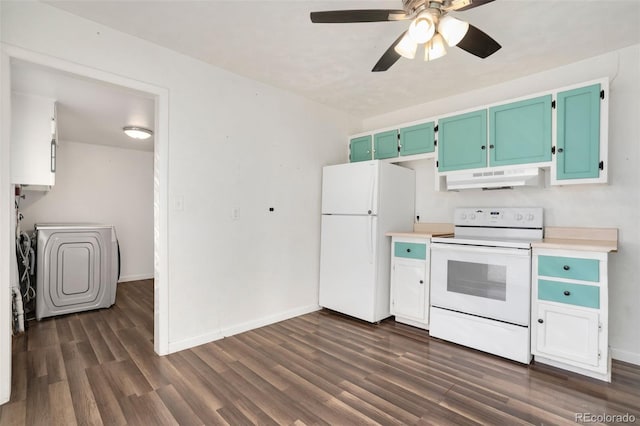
481, 280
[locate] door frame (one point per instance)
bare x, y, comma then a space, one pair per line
160, 198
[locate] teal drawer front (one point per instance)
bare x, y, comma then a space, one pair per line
410, 250
569, 267
571, 294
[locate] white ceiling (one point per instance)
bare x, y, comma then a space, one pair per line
88, 111
275, 42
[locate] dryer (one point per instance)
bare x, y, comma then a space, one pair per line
77, 268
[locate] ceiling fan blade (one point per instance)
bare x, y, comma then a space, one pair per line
474, 3
364, 15
389, 57
478, 43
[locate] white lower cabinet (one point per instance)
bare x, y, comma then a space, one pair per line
410, 281
569, 312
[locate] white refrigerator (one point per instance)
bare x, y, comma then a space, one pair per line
360, 203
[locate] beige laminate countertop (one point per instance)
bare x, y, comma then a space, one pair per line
425, 230
585, 239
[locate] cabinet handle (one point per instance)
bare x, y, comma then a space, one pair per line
566, 267
421, 282
491, 146
566, 292
540, 320
408, 250
483, 147
53, 155
560, 150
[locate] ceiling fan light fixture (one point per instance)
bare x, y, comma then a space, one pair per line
453, 30
137, 132
407, 47
422, 28
435, 48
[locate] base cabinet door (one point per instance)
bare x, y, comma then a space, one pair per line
567, 333
409, 289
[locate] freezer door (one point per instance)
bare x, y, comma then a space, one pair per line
348, 265
350, 188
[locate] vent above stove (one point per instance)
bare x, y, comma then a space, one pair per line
493, 179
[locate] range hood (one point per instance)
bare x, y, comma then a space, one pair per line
496, 179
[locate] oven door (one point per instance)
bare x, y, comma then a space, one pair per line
491, 282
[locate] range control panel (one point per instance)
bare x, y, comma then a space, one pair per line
507, 217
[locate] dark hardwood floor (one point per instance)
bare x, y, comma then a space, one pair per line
322, 368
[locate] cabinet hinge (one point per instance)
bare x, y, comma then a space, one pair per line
553, 150
437, 163
398, 134
398, 148
553, 104
601, 165
599, 354
599, 326
602, 94
435, 129
435, 142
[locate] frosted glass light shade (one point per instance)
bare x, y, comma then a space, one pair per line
422, 28
435, 48
137, 132
453, 30
406, 47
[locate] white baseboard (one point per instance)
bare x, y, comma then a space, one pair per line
625, 356
239, 328
135, 277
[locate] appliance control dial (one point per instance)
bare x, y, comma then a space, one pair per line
519, 216
530, 217
472, 216
463, 216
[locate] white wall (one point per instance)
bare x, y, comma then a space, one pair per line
614, 205
102, 184
233, 143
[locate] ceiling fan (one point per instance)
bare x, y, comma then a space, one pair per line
431, 25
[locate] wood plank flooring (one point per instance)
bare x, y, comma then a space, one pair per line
322, 368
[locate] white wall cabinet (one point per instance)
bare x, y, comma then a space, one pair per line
33, 141
569, 312
410, 281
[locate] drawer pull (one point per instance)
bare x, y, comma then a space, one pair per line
408, 250
540, 320
566, 267
421, 282
567, 293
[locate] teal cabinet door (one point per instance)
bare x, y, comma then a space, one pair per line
417, 139
520, 132
463, 141
386, 144
578, 138
360, 149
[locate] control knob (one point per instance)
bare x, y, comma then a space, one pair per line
463, 216
530, 217
472, 216
518, 216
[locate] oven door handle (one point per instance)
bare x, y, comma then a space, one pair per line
480, 249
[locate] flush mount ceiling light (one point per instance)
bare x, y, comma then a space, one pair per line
431, 26
137, 132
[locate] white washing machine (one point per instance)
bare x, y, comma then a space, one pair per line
77, 268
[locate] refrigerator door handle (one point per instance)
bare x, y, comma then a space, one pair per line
371, 239
373, 187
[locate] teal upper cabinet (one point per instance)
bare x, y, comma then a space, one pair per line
386, 144
520, 132
463, 141
417, 139
578, 138
360, 149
